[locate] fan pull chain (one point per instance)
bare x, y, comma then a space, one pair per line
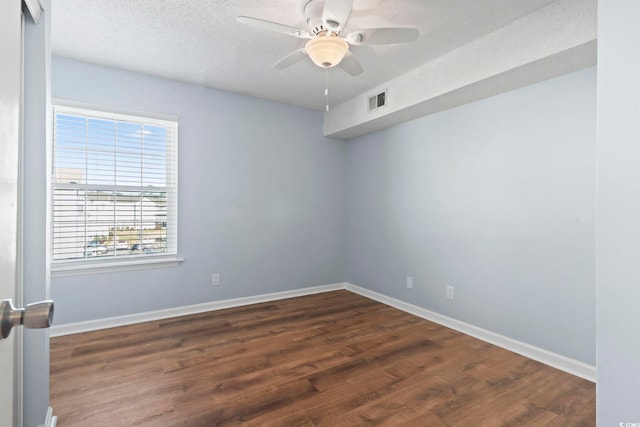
326, 88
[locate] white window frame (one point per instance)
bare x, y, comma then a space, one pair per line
72, 267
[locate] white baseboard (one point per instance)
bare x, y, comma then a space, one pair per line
50, 420
130, 319
555, 360
572, 366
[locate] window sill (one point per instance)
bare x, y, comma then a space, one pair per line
111, 266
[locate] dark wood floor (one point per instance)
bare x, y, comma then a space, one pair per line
333, 359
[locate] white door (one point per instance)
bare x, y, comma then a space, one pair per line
10, 98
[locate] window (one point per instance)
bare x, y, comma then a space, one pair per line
114, 186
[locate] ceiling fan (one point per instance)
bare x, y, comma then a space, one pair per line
326, 45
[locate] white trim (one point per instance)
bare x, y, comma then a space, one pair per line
112, 322
65, 103
113, 114
19, 295
112, 265
50, 420
34, 8
572, 366
566, 364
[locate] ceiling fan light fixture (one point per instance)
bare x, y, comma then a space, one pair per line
326, 51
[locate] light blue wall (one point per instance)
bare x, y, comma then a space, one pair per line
495, 198
618, 248
261, 197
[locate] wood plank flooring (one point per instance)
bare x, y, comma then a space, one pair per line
332, 359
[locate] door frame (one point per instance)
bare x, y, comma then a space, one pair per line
12, 46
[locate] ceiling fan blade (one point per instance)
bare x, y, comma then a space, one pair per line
273, 26
351, 64
376, 36
290, 59
336, 13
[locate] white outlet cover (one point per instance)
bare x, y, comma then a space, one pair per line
409, 282
450, 292
215, 279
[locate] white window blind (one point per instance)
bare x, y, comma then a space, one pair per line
114, 186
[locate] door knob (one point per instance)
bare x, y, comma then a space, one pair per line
33, 316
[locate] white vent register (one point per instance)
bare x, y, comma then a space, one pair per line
378, 101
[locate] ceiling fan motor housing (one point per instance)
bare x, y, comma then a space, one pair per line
313, 10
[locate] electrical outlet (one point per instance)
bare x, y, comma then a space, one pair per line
215, 279
451, 292
409, 282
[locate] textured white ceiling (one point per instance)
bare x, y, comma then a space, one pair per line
199, 41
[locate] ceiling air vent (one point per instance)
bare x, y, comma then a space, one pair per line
378, 101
